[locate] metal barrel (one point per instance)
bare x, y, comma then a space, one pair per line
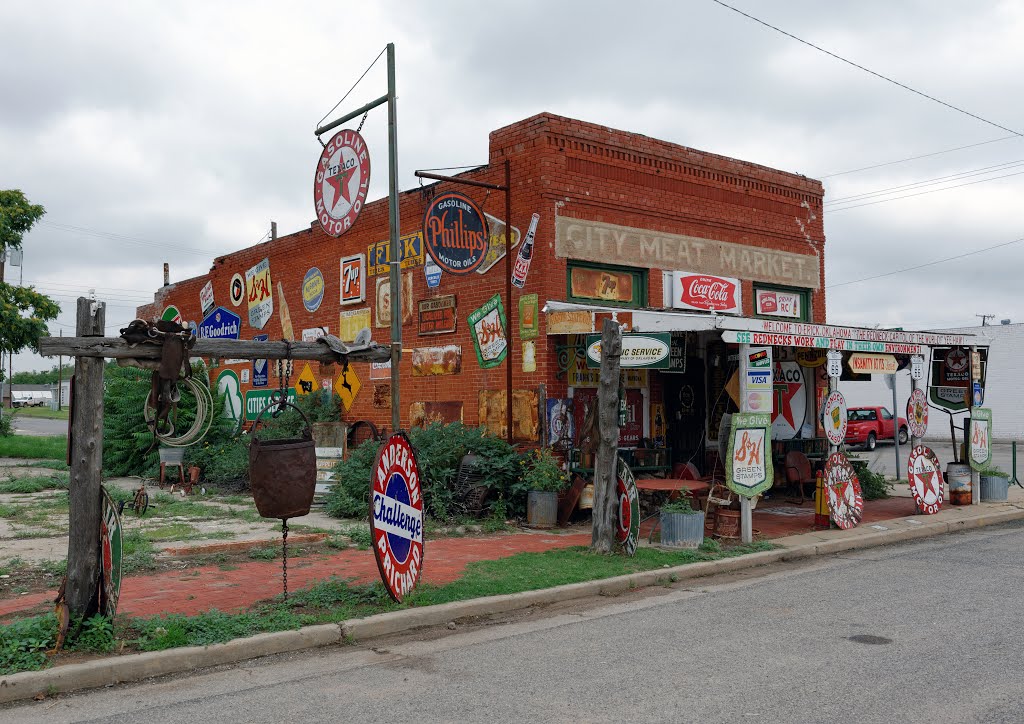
541, 509
958, 475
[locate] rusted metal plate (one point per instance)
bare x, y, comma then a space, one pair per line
525, 414
845, 501
422, 414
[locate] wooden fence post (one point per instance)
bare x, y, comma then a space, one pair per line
603, 532
86, 456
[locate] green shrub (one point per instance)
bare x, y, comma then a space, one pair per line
994, 472
543, 472
95, 634
6, 423
679, 505
23, 643
873, 486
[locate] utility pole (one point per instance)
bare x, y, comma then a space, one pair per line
985, 318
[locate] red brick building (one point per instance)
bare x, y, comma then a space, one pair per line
619, 213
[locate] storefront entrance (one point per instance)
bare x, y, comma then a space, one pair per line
686, 409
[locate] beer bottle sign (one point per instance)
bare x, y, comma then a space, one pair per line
522, 267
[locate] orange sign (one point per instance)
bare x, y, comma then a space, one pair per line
865, 363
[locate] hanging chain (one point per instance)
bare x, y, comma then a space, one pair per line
359, 130
284, 555
284, 376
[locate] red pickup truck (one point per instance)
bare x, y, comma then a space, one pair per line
867, 425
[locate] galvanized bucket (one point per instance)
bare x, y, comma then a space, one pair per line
682, 530
282, 473
541, 509
958, 475
994, 488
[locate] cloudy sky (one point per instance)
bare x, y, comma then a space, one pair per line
155, 131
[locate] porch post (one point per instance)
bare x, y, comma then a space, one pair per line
746, 514
975, 474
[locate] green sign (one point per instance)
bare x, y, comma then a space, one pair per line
228, 385
257, 400
110, 556
651, 351
490, 332
980, 447
748, 464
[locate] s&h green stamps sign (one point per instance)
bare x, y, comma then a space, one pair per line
748, 464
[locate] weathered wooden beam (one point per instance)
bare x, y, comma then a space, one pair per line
84, 500
117, 348
602, 539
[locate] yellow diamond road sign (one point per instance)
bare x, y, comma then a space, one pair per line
307, 382
347, 385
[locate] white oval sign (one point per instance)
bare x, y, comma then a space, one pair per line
637, 351
834, 418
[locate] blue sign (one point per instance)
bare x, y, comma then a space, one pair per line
220, 324
312, 289
979, 395
432, 272
259, 366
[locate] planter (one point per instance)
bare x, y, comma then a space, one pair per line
541, 509
682, 530
727, 523
994, 488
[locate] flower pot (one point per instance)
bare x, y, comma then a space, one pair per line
994, 488
727, 523
541, 509
682, 530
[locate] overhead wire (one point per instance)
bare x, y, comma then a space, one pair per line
914, 158
928, 182
122, 237
922, 193
353, 87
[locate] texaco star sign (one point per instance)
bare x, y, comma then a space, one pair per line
341, 182
925, 476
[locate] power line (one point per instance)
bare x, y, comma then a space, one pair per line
914, 158
868, 70
926, 264
123, 238
922, 193
928, 182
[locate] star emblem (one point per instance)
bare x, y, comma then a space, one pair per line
784, 393
339, 182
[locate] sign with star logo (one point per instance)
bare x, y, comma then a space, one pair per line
341, 182
842, 489
790, 408
347, 385
925, 477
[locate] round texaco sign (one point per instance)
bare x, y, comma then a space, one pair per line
342, 181
917, 413
627, 509
925, 476
396, 520
833, 418
842, 489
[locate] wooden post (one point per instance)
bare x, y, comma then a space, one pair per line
603, 532
86, 468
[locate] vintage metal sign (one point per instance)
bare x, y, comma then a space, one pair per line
496, 242
206, 297
790, 388
259, 366
706, 293
437, 315
257, 400
171, 314
522, 266
383, 295
917, 413
749, 468
917, 368
905, 342
794, 340
228, 385
810, 357
490, 332
950, 386
455, 233
353, 279
834, 418
878, 364
432, 272
380, 370
396, 520
307, 381
410, 254
429, 361
639, 351
834, 360
756, 379
529, 316
981, 438
110, 555
925, 477
220, 324
312, 334
313, 289
347, 385
627, 518
842, 489
341, 182
236, 290
260, 291
351, 322
777, 303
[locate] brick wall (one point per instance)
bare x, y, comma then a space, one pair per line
559, 166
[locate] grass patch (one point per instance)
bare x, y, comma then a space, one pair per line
59, 465
35, 484
34, 446
267, 553
137, 553
173, 531
44, 412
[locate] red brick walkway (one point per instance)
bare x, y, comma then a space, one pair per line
199, 589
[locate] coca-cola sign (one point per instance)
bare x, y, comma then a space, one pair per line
706, 293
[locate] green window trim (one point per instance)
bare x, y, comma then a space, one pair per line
805, 302
638, 300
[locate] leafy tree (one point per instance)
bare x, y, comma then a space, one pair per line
44, 377
17, 216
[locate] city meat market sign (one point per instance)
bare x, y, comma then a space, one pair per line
614, 244
341, 182
396, 520
646, 351
455, 233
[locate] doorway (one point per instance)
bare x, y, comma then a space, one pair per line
686, 408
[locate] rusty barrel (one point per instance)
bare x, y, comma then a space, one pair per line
958, 476
282, 473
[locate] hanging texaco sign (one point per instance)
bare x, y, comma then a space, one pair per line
110, 551
925, 477
833, 418
341, 182
396, 523
842, 489
917, 413
627, 509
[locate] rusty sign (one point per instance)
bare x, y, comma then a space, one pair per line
410, 254
383, 319
570, 322
436, 315
382, 396
429, 361
525, 414
422, 414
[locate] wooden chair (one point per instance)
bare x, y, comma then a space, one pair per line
718, 497
799, 473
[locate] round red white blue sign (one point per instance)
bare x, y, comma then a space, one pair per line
342, 181
455, 233
627, 509
396, 520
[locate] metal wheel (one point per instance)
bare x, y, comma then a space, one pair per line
872, 441
903, 436
141, 503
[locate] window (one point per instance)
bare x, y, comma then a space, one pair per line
886, 415
785, 302
618, 286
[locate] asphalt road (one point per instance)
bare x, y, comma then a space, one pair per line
883, 458
24, 425
919, 632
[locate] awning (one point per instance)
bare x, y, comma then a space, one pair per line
574, 318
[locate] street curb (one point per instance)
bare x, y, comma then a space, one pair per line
135, 667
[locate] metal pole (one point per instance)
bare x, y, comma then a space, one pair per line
895, 427
746, 512
508, 297
975, 475
393, 223
60, 376
389, 98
